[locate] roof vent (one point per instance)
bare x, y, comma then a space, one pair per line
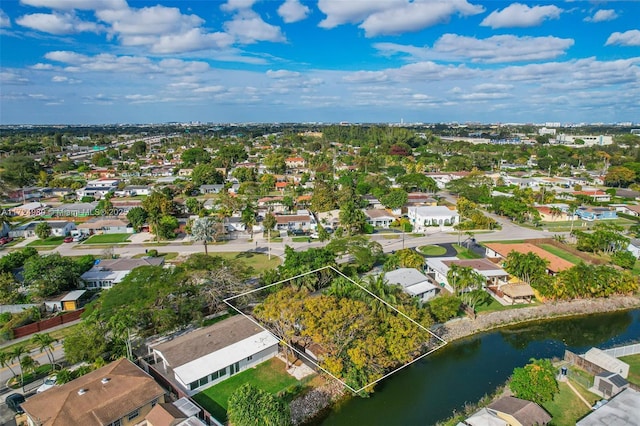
82, 391
105, 380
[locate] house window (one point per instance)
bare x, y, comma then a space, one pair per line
203, 381
250, 357
116, 423
132, 415
154, 402
193, 385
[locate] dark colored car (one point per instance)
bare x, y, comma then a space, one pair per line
298, 232
14, 402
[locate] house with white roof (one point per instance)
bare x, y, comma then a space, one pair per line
206, 356
423, 217
30, 209
413, 282
379, 218
105, 273
438, 268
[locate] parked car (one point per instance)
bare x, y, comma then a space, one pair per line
14, 402
315, 236
68, 239
48, 383
79, 238
298, 232
5, 240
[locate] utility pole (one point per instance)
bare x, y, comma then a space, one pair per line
269, 242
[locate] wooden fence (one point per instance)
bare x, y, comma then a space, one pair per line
36, 327
589, 366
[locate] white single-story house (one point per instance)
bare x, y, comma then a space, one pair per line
423, 217
30, 209
211, 189
438, 268
59, 228
379, 218
301, 220
206, 356
413, 282
108, 272
134, 190
106, 225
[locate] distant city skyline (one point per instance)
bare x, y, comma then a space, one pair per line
426, 61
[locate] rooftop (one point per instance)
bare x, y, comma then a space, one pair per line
526, 412
621, 410
556, 264
127, 389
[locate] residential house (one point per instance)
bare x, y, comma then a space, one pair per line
442, 179
631, 209
185, 172
134, 190
372, 202
30, 209
590, 213
98, 188
118, 394
500, 250
211, 189
206, 356
548, 214
634, 247
74, 210
106, 273
484, 417
106, 225
607, 362
330, 218
519, 412
282, 186
438, 268
294, 162
4, 229
302, 220
413, 282
379, 218
426, 216
59, 228
621, 410
57, 192
24, 194
596, 195
421, 199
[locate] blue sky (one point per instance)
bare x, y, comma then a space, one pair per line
118, 61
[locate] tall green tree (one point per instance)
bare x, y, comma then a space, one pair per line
352, 218
535, 381
206, 229
45, 342
137, 216
43, 230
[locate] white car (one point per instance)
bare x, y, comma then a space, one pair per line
314, 236
49, 382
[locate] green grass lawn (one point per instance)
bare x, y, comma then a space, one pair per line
258, 261
561, 253
465, 253
167, 256
566, 407
108, 239
391, 236
492, 305
432, 250
634, 368
270, 376
49, 242
300, 239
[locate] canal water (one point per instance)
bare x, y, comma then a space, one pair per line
465, 370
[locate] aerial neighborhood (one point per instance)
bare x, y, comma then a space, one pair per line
190, 274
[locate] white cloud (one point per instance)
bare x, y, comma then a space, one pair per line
233, 5
56, 23
8, 77
341, 12
248, 27
393, 16
293, 11
627, 38
77, 4
5, 22
155, 20
520, 15
602, 15
416, 16
282, 74
495, 49
366, 77
41, 66
64, 79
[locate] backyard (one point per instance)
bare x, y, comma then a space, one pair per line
270, 376
258, 261
563, 254
634, 368
108, 239
566, 407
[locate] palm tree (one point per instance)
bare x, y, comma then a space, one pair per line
384, 292
205, 229
6, 359
17, 352
28, 365
45, 344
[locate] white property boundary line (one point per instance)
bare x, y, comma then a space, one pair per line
305, 356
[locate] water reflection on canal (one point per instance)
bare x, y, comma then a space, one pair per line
464, 371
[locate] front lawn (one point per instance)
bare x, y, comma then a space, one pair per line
491, 305
465, 253
49, 242
270, 376
561, 253
258, 261
634, 368
108, 239
432, 250
566, 407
